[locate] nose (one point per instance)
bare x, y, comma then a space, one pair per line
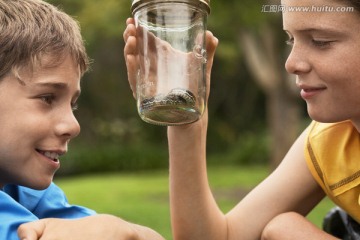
297, 61
67, 125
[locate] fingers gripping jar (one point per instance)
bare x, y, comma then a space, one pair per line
171, 82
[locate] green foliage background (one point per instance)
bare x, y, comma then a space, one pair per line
142, 197
114, 138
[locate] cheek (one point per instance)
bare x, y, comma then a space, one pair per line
341, 71
353, 92
349, 63
19, 127
12, 133
344, 97
11, 141
347, 77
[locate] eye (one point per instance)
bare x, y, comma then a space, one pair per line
74, 106
290, 41
48, 98
321, 44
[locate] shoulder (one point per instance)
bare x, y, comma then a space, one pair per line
332, 140
340, 130
50, 202
333, 151
12, 213
30, 198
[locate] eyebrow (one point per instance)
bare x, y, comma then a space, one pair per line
319, 30
56, 85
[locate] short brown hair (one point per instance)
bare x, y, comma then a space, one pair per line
31, 29
355, 4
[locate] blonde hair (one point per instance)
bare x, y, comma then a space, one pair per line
32, 29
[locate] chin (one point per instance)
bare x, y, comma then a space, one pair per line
41, 184
42, 187
323, 118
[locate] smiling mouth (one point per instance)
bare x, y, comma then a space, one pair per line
308, 93
51, 155
308, 90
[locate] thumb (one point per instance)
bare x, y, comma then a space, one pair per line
31, 230
211, 45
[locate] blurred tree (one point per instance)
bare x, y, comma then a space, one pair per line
250, 89
106, 96
256, 27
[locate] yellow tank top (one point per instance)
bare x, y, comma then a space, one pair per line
332, 152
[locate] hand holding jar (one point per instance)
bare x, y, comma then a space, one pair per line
171, 84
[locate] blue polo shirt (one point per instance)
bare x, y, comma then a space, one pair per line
19, 205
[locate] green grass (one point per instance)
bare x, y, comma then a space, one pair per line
143, 197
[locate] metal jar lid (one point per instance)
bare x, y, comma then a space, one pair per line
140, 3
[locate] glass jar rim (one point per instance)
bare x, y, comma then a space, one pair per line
202, 3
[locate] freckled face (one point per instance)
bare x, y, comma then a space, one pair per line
37, 122
325, 57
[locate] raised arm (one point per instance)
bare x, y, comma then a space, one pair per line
194, 211
195, 214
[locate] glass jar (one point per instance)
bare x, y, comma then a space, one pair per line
171, 82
